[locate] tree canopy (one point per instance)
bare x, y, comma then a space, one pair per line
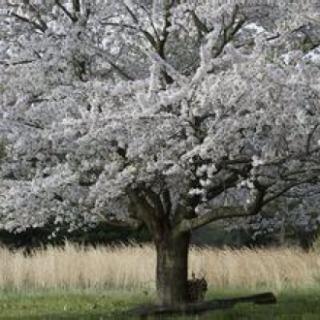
110, 106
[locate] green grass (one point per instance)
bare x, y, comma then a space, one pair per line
292, 305
68, 305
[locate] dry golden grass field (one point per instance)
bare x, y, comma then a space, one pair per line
132, 268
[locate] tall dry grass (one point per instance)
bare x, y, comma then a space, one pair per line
132, 268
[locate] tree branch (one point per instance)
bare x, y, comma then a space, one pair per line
228, 32
113, 65
37, 11
155, 201
76, 6
166, 201
221, 214
36, 25
239, 212
66, 11
201, 27
309, 138
7, 63
147, 34
151, 22
216, 214
142, 210
288, 187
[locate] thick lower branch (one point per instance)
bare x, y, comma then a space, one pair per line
240, 212
222, 213
214, 215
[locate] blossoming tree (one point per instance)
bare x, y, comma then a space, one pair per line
169, 114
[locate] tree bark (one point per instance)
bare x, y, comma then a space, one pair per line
172, 269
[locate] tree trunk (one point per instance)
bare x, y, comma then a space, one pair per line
172, 269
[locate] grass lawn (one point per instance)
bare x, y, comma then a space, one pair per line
292, 305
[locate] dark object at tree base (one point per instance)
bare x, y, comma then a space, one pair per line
201, 307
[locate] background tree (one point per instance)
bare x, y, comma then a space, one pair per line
168, 114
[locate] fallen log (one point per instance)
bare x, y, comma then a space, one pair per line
146, 311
